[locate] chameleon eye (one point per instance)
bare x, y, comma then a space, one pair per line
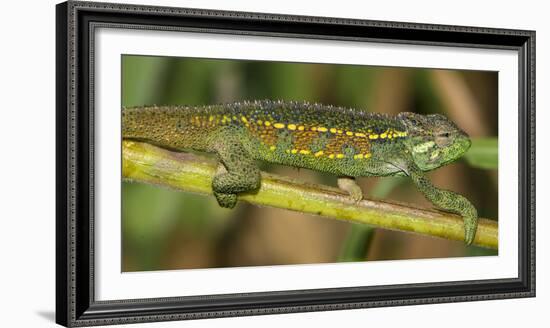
442, 139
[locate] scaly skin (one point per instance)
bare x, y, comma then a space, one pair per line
336, 140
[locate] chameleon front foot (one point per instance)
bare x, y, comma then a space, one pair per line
448, 201
470, 223
459, 204
350, 186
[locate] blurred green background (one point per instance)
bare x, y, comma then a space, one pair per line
163, 229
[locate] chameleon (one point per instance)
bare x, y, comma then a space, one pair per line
341, 141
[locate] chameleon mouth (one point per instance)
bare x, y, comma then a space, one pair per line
461, 147
468, 143
464, 138
463, 144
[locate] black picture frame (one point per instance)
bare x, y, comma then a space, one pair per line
75, 302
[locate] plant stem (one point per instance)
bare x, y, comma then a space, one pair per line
359, 239
187, 172
357, 242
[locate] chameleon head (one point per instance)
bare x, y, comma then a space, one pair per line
433, 140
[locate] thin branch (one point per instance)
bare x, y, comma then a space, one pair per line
187, 172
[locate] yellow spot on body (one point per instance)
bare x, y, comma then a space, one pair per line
359, 134
339, 155
322, 129
234, 117
358, 156
383, 135
390, 136
368, 155
291, 126
211, 118
373, 136
279, 125
301, 128
314, 128
260, 122
244, 119
340, 131
267, 123
304, 151
287, 151
319, 153
333, 130
294, 151
272, 148
331, 156
349, 133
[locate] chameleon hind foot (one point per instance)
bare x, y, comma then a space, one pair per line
236, 173
226, 200
350, 186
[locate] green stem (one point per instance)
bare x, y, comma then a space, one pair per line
357, 243
187, 172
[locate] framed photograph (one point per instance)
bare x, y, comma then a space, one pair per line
214, 163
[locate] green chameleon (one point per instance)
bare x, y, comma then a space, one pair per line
344, 142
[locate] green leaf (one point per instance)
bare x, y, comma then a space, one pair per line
483, 153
